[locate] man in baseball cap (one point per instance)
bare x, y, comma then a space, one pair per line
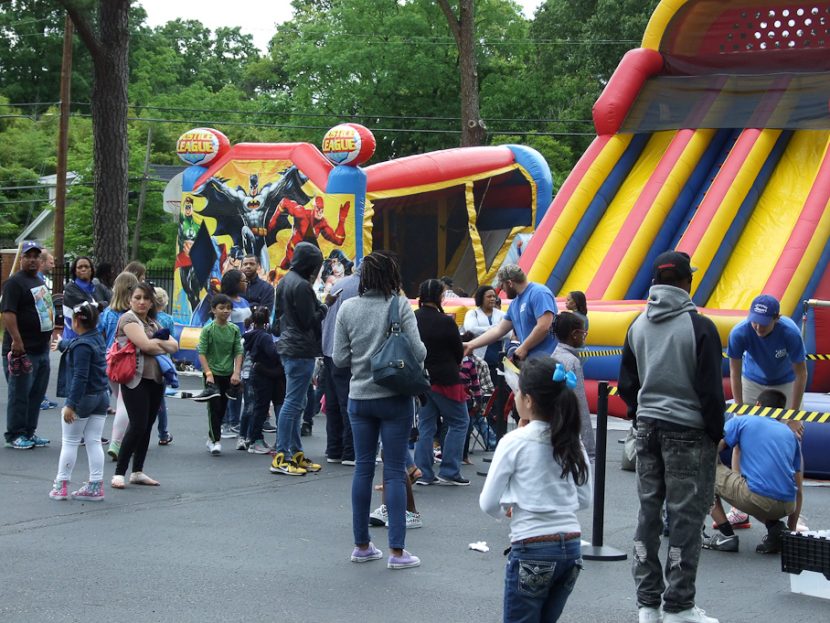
766, 352
28, 316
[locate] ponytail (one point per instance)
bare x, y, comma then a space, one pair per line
558, 405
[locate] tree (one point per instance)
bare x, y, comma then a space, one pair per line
107, 39
462, 27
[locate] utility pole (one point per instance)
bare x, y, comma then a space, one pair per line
142, 195
63, 140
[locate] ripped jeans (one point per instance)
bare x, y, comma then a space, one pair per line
538, 580
675, 465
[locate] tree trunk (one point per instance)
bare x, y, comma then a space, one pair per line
109, 120
473, 130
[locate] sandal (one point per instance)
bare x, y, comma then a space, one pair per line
118, 482
414, 474
140, 478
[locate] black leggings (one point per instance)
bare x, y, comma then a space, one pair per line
142, 404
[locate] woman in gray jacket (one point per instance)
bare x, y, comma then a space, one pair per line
360, 330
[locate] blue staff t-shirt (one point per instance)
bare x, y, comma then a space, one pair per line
526, 309
770, 455
767, 360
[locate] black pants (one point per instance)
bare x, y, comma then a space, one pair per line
339, 441
142, 405
217, 406
267, 391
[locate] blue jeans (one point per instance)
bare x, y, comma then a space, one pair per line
298, 374
675, 466
162, 419
538, 580
233, 411
456, 420
391, 419
26, 392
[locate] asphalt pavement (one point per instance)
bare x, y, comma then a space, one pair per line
223, 539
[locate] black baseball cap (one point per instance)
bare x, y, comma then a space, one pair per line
676, 261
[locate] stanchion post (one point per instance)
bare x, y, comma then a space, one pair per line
496, 417
596, 550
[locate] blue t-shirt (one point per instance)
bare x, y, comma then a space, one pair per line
240, 312
767, 360
770, 455
526, 309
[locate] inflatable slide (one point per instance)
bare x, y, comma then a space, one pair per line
712, 138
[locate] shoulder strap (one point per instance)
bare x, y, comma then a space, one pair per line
394, 316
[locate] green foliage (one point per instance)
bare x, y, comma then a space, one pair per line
389, 64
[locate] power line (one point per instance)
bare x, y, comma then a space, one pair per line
311, 115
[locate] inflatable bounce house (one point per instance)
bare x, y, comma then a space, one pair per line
712, 138
454, 212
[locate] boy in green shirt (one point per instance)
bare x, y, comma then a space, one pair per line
220, 354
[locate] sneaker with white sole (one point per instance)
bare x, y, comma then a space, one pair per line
268, 427
646, 614
280, 466
301, 460
404, 561
413, 520
90, 492
227, 432
379, 516
737, 519
692, 615
456, 481
721, 543
242, 444
21, 443
259, 447
365, 555
58, 491
210, 391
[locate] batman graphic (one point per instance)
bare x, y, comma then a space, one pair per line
250, 217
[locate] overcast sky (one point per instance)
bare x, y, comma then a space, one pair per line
254, 17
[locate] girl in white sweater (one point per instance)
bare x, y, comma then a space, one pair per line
539, 478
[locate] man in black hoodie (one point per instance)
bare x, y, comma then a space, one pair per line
671, 380
299, 316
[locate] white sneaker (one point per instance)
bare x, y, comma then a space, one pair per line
379, 516
413, 520
649, 615
692, 615
209, 445
216, 449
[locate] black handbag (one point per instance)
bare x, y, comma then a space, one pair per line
395, 366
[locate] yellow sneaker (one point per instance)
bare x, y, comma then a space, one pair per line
307, 464
290, 468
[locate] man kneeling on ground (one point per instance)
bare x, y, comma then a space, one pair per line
769, 485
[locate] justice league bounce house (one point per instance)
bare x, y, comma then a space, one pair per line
454, 212
712, 138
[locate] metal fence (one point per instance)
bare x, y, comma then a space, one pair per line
60, 274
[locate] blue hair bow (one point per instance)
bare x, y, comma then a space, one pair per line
561, 376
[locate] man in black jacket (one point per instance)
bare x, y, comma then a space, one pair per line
671, 380
299, 316
258, 292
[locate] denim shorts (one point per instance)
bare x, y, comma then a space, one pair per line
93, 404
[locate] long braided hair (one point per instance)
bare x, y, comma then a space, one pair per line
380, 271
431, 291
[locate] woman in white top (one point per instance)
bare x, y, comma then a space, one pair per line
539, 478
482, 317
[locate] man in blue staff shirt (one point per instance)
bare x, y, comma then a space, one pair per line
530, 316
766, 352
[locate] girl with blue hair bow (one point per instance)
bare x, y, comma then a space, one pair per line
539, 478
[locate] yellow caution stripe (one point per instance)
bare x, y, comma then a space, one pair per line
612, 352
780, 414
810, 357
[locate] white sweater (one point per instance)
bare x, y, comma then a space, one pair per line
524, 476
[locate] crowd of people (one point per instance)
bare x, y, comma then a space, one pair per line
284, 349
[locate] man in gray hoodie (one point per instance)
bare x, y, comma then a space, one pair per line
671, 380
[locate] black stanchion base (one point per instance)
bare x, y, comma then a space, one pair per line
482, 471
602, 552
